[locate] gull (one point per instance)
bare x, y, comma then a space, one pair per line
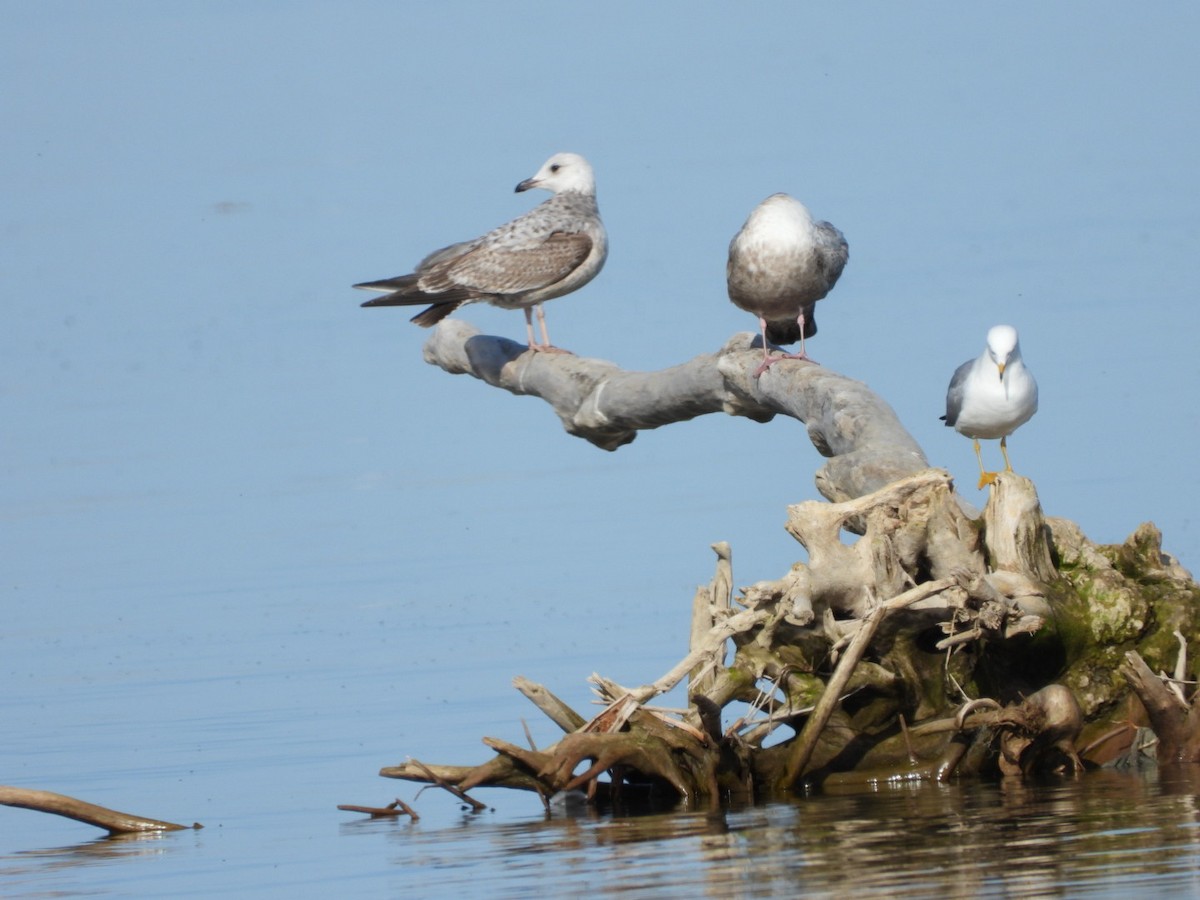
555, 248
992, 396
780, 264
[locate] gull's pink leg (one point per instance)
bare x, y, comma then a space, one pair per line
546, 346
766, 363
529, 328
800, 322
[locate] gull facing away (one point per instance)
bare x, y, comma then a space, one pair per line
555, 248
992, 396
780, 264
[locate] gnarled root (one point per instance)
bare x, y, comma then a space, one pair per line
651, 749
1035, 736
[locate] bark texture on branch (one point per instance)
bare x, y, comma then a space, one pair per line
600, 402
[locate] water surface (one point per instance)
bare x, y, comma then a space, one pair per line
1104, 834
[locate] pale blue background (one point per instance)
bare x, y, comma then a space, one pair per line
254, 548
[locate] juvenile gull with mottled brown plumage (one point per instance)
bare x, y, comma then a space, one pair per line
780, 264
555, 248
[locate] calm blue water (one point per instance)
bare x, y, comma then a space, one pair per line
1105, 835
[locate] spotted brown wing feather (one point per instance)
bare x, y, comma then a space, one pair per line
448, 278
552, 250
504, 272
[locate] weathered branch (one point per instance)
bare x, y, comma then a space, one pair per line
711, 644
555, 709
1015, 531
61, 805
904, 526
1175, 723
501, 771
598, 401
456, 790
712, 601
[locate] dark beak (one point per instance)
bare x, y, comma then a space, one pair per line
526, 185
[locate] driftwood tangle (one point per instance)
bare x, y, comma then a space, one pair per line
934, 644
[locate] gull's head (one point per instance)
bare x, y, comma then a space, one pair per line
562, 172
1002, 346
780, 212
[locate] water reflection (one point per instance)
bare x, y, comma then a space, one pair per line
1066, 838
40, 867
1107, 832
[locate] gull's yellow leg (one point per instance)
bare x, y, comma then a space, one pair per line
1004, 449
985, 477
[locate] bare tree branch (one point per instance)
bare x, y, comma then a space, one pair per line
600, 402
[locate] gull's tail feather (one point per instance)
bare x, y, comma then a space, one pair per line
434, 314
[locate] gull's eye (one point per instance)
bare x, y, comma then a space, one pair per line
555, 167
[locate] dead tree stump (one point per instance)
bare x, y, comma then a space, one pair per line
931, 644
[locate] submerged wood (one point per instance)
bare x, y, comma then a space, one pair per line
1175, 721
393, 810
110, 820
933, 644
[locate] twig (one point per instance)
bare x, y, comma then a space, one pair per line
960, 637
529, 735
912, 757
530, 759
712, 601
456, 791
395, 809
749, 729
1180, 666
971, 706
716, 637
614, 716
1125, 729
